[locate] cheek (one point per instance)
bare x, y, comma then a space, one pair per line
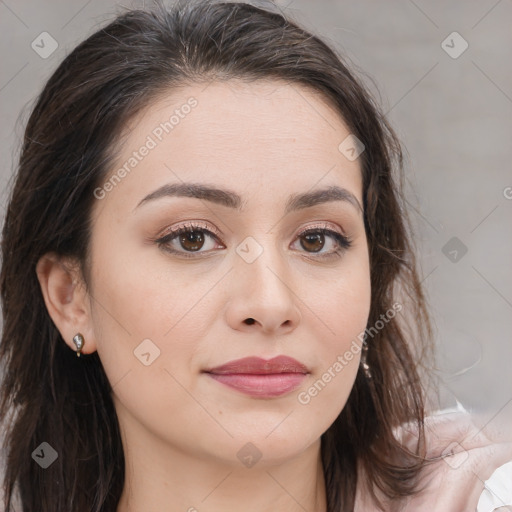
341, 313
325, 394
130, 305
145, 331
135, 297
148, 314
340, 303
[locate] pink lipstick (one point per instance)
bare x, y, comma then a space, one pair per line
259, 377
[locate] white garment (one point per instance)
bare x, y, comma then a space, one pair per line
498, 490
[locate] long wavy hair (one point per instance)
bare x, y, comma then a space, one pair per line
70, 140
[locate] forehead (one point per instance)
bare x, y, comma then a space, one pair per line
236, 134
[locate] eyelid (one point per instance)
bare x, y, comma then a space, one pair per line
207, 227
191, 225
322, 225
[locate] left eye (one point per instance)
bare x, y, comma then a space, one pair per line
315, 238
192, 238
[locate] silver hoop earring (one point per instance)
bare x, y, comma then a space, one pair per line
364, 364
78, 340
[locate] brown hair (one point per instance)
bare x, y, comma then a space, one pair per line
48, 394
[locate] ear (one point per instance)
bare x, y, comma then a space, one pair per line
66, 299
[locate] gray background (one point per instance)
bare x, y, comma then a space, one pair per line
452, 114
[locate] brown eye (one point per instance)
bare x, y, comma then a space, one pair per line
192, 240
185, 240
313, 241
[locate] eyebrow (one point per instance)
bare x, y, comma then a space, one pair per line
231, 199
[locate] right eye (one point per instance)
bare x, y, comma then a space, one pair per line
186, 239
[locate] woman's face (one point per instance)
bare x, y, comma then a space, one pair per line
164, 312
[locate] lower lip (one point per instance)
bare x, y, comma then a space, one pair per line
268, 385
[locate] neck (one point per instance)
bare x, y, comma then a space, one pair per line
163, 477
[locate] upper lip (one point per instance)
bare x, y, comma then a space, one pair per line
258, 366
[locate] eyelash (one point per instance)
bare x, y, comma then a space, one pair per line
343, 242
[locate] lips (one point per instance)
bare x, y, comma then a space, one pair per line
260, 378
258, 366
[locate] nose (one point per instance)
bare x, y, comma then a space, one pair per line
263, 296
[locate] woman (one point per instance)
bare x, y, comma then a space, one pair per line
206, 213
